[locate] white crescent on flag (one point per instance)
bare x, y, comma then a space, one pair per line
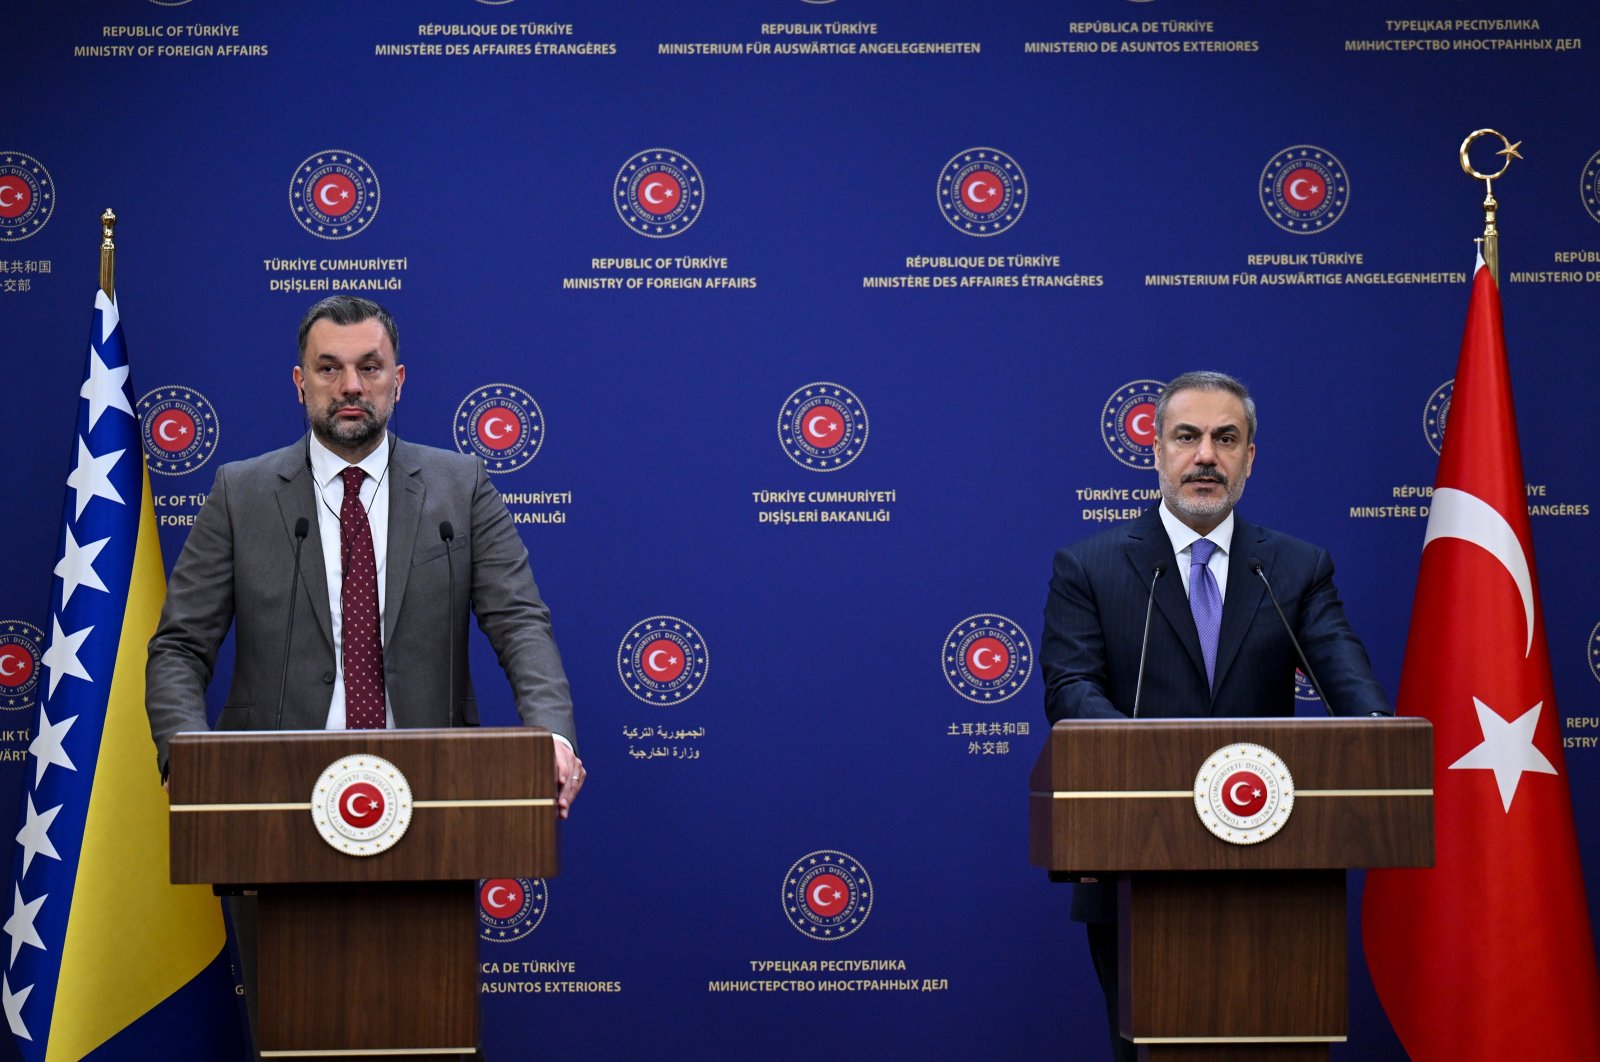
1457, 514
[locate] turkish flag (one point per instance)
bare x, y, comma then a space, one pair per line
1488, 954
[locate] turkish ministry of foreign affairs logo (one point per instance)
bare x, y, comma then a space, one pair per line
180, 429
1435, 412
1594, 652
822, 427
987, 658
27, 196
1589, 186
361, 805
511, 908
1128, 423
1304, 189
662, 660
982, 192
502, 424
659, 193
1243, 793
334, 194
827, 895
19, 663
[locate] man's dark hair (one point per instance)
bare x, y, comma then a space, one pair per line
1208, 381
348, 310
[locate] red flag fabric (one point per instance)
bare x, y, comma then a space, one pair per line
1489, 954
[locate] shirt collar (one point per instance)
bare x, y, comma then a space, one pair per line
1183, 536
326, 465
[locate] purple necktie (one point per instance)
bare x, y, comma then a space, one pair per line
1205, 601
363, 642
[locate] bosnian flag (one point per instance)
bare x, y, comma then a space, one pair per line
102, 954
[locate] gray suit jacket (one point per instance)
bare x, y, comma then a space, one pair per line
236, 568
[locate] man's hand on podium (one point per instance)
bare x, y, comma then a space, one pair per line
569, 776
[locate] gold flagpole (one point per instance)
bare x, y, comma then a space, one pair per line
108, 253
1490, 240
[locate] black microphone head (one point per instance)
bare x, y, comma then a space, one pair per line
1255, 565
302, 528
447, 530
1161, 569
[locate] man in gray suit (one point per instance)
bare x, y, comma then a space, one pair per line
375, 622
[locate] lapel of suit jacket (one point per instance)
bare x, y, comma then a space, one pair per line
297, 499
1244, 592
406, 492
1148, 546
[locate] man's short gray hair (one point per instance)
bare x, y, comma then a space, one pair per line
1208, 381
348, 310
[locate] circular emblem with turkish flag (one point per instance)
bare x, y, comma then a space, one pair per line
662, 660
19, 664
179, 427
827, 895
982, 191
361, 805
822, 426
1244, 793
1128, 422
659, 193
1304, 189
334, 194
987, 658
27, 196
502, 424
510, 908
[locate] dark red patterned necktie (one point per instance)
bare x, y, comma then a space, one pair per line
363, 640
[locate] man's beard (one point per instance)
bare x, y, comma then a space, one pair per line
1203, 508
330, 428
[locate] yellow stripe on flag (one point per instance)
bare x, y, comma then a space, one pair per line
133, 938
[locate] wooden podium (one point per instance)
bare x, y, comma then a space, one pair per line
364, 954
1231, 951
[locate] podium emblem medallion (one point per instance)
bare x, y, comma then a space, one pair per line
362, 805
1244, 793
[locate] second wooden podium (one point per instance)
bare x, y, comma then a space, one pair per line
1231, 918
368, 938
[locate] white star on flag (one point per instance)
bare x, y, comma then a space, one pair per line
20, 924
92, 477
46, 747
103, 389
13, 1005
62, 656
76, 567
34, 837
1507, 749
109, 315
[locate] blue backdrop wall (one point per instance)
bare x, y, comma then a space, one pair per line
637, 250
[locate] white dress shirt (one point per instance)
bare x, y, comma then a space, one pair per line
326, 468
1183, 536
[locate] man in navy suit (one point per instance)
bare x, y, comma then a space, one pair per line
1217, 647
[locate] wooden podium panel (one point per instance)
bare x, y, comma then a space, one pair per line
371, 956
484, 801
1231, 951
1119, 795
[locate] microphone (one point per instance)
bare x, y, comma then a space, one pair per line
302, 528
1144, 646
1255, 566
447, 533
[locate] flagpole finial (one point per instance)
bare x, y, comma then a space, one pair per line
1490, 242
108, 252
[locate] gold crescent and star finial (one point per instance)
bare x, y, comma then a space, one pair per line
1490, 241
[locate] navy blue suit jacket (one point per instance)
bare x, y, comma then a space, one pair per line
1094, 622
